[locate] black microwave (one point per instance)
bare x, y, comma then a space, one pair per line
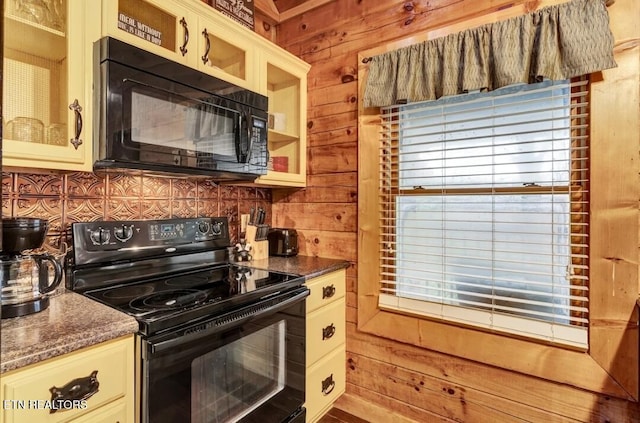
159, 116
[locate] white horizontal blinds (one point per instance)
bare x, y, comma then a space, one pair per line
484, 209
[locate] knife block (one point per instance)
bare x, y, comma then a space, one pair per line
260, 249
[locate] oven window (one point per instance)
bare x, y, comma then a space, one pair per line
235, 379
169, 120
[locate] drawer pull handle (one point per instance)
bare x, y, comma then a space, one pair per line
77, 110
328, 332
328, 291
205, 56
77, 390
328, 384
183, 48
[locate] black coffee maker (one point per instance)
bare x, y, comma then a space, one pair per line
26, 279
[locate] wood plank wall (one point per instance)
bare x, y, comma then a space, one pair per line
389, 381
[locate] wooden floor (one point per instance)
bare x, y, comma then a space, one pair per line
337, 416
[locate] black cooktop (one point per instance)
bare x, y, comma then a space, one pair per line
168, 301
166, 273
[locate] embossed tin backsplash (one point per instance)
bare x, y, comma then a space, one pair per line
79, 197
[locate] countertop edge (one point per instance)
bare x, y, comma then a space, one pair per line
70, 345
333, 268
306, 266
70, 323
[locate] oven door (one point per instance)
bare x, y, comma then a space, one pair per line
245, 366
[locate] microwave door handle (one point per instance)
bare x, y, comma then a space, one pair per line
249, 139
244, 138
238, 139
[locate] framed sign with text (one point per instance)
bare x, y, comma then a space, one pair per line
239, 10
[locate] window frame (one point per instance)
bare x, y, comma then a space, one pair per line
576, 188
610, 366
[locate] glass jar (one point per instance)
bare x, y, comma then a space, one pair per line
25, 129
57, 134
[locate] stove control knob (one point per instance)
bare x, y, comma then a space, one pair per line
217, 228
100, 236
203, 227
123, 233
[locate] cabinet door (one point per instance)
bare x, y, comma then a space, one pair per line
226, 50
162, 27
283, 78
46, 85
102, 374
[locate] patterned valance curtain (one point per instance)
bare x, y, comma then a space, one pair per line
555, 42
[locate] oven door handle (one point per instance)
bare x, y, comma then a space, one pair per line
226, 322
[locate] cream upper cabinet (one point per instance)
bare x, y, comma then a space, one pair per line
283, 78
161, 27
191, 33
226, 49
47, 84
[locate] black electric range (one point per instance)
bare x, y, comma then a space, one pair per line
167, 273
217, 339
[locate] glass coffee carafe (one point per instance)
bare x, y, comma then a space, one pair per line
26, 279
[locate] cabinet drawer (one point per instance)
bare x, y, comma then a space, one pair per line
110, 413
325, 289
325, 330
325, 383
28, 389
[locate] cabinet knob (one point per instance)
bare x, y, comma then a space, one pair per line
77, 390
328, 291
183, 48
77, 109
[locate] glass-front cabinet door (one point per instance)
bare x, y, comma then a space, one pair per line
283, 78
161, 27
225, 52
45, 83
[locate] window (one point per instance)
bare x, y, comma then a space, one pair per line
484, 210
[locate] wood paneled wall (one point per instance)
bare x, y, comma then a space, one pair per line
390, 381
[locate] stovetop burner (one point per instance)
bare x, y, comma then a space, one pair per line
169, 299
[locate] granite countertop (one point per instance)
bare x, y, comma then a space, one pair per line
69, 323
307, 266
72, 321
